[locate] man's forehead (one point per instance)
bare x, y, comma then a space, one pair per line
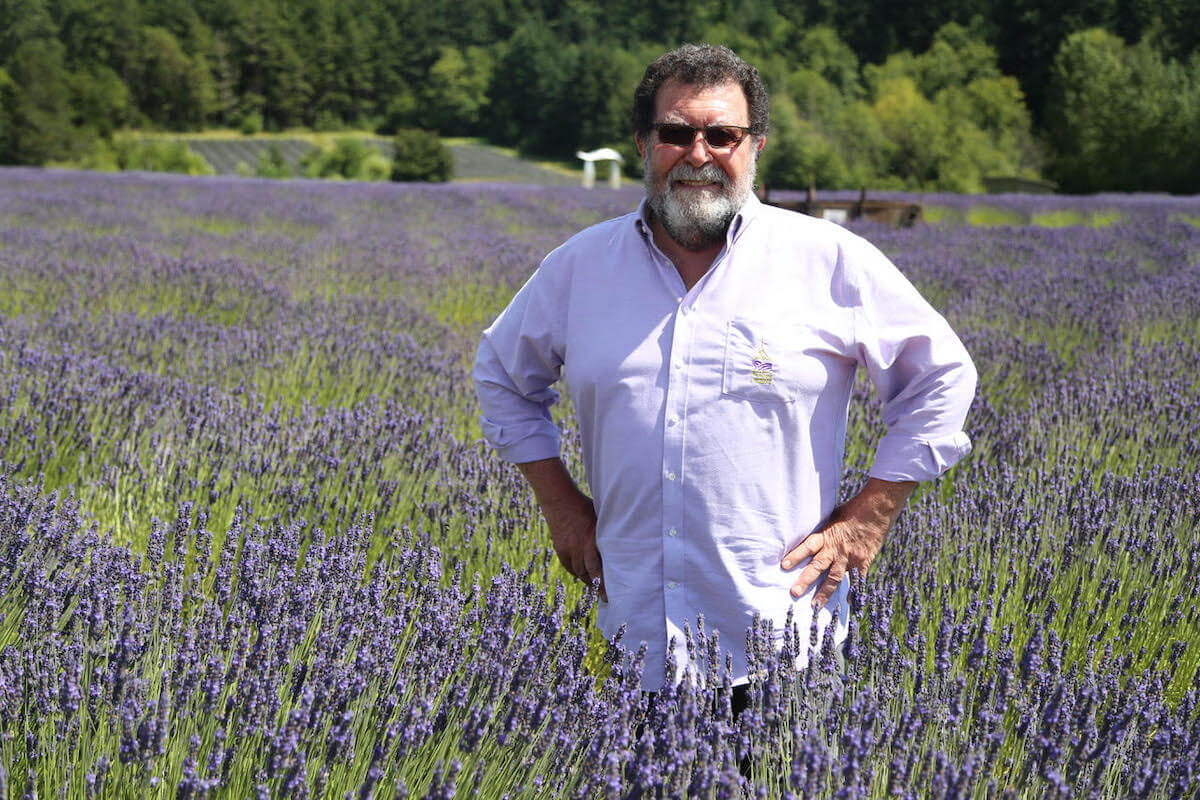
674, 93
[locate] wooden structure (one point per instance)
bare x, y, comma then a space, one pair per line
898, 214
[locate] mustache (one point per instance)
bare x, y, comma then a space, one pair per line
710, 173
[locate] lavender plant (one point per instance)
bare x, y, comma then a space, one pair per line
253, 546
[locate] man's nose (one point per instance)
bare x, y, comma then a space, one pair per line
698, 154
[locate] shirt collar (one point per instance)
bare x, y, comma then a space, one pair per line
745, 215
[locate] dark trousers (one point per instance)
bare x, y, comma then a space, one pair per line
739, 701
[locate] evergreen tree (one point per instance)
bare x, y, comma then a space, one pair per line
271, 75
533, 105
37, 116
172, 89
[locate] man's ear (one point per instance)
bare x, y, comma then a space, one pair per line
762, 142
641, 145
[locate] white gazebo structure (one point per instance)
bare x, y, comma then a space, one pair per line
589, 166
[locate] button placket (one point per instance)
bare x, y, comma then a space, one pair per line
674, 567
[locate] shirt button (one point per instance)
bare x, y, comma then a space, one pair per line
672, 585
672, 532
670, 476
673, 419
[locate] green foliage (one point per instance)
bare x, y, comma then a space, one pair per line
602, 87
955, 58
171, 89
552, 78
456, 94
350, 158
272, 164
8, 91
273, 72
419, 155
1124, 117
251, 123
402, 110
36, 119
915, 130
146, 155
799, 155
159, 155
948, 117
99, 99
821, 51
531, 93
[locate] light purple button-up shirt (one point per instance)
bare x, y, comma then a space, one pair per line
714, 420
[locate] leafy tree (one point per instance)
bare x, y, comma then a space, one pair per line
456, 94
532, 104
822, 51
996, 105
90, 33
798, 154
1029, 33
37, 117
815, 97
99, 99
8, 91
861, 141
902, 64
23, 21
1124, 118
419, 155
600, 93
338, 55
955, 58
915, 130
172, 89
950, 118
271, 75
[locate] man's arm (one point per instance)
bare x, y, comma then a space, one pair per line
518, 360
571, 517
850, 539
926, 380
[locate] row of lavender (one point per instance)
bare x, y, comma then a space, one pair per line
252, 544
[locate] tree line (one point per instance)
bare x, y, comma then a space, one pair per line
1094, 94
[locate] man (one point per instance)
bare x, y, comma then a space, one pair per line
709, 344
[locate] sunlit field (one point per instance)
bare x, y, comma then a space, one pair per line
253, 546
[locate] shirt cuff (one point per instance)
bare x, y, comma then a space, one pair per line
522, 442
908, 458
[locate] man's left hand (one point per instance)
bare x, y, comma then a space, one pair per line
850, 539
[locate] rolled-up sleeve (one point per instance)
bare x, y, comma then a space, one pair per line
919, 368
519, 358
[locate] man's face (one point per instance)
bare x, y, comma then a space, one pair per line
695, 190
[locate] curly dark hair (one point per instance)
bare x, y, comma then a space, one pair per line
701, 65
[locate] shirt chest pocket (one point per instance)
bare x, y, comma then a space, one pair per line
773, 363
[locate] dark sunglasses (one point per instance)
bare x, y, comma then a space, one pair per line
720, 137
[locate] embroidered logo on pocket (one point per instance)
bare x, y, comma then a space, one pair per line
762, 371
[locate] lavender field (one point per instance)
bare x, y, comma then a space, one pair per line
251, 544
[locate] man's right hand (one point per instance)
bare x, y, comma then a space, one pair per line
571, 517
573, 533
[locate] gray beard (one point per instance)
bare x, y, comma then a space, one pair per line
701, 221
